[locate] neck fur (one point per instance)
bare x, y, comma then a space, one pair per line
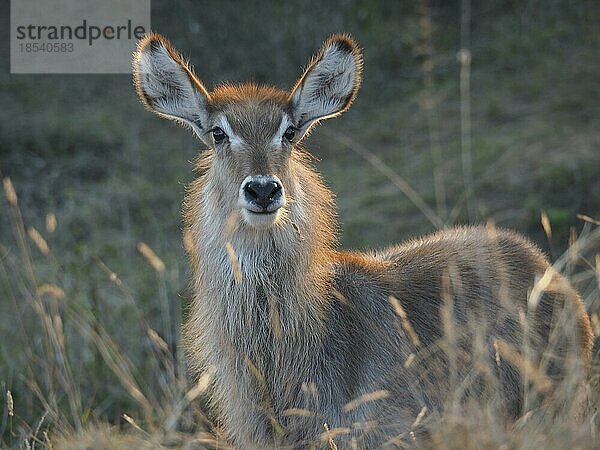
270, 281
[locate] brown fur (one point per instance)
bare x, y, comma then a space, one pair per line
305, 327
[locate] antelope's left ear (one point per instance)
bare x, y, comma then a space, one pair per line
329, 84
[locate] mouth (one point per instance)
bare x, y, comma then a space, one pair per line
261, 213
261, 219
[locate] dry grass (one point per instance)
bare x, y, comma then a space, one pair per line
171, 414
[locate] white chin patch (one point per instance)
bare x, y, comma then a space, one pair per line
260, 220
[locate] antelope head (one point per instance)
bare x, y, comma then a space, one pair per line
253, 131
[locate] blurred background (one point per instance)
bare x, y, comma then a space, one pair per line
467, 113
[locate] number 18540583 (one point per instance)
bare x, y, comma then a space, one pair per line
55, 47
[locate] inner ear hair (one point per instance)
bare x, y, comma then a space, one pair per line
330, 83
166, 83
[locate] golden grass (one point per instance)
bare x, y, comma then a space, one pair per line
151, 257
171, 412
9, 191
399, 310
368, 397
235, 262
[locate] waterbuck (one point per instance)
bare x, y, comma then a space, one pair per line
295, 333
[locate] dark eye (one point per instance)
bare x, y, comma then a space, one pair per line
218, 135
290, 133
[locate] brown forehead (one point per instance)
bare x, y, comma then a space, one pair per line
253, 112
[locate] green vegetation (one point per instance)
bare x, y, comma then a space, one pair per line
89, 327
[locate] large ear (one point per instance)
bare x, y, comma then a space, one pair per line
329, 84
167, 85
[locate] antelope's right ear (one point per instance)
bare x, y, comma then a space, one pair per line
166, 83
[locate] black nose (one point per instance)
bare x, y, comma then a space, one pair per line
263, 193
